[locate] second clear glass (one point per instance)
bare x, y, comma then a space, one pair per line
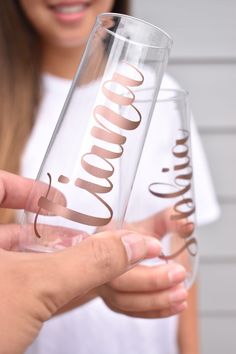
162, 201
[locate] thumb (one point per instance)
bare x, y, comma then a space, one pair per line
96, 260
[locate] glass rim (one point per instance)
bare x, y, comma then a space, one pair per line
176, 94
133, 18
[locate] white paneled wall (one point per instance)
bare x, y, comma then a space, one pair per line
212, 87
203, 60
199, 28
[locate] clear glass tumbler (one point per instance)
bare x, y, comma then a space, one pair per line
85, 179
162, 199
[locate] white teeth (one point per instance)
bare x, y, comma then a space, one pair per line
70, 9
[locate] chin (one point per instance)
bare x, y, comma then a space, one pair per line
71, 41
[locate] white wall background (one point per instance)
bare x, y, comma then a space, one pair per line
203, 60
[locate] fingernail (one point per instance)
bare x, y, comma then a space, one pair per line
176, 274
138, 246
178, 295
180, 307
153, 247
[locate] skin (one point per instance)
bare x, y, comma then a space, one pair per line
188, 324
61, 39
29, 297
69, 39
142, 291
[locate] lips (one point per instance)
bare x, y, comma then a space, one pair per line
69, 11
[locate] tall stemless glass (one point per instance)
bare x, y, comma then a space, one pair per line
162, 199
88, 170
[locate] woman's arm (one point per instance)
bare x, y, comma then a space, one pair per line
188, 331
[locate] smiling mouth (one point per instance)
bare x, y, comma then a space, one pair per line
68, 9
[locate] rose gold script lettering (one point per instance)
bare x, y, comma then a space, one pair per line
184, 207
105, 118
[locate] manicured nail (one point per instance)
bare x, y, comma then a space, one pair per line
138, 246
153, 247
179, 294
176, 274
180, 307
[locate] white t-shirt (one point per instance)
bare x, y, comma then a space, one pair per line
93, 327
